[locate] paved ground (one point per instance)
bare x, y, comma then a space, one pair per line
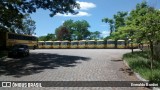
69, 65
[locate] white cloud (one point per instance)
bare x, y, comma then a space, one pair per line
105, 33
86, 5
80, 14
83, 6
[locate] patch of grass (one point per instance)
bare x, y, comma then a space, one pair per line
139, 61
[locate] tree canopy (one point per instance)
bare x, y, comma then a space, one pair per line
48, 37
13, 11
110, 22
28, 26
117, 21
95, 35
81, 29
63, 33
74, 30
143, 22
141, 25
71, 30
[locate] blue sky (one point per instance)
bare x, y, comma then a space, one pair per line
92, 11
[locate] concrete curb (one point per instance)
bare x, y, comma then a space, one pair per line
139, 77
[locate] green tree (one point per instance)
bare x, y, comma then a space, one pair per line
71, 30
126, 33
129, 29
42, 38
110, 22
12, 11
119, 19
48, 37
143, 23
69, 25
150, 28
95, 35
62, 33
81, 29
51, 37
28, 26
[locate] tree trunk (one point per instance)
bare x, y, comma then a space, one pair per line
126, 44
132, 45
151, 48
142, 47
116, 43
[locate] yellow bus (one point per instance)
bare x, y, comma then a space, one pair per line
41, 44
8, 39
56, 44
135, 45
49, 44
90, 44
82, 44
64, 44
110, 43
100, 44
74, 44
121, 44
145, 45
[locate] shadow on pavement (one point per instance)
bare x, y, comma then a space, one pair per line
124, 69
117, 60
127, 70
36, 63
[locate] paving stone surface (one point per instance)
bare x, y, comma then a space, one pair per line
69, 65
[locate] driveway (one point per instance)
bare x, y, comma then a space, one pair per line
69, 65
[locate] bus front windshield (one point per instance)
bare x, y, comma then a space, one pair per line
64, 43
81, 43
90, 42
56, 43
120, 42
74, 43
110, 42
48, 43
100, 42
